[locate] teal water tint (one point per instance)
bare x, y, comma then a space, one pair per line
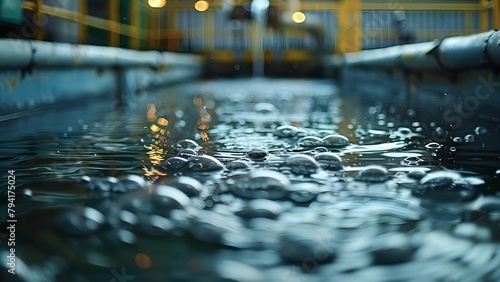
251, 180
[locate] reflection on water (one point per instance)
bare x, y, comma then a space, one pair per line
251, 180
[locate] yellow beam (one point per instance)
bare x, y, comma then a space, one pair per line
349, 26
134, 22
483, 16
496, 14
85, 19
113, 25
209, 34
40, 34
82, 28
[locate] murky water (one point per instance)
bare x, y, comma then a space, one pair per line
250, 180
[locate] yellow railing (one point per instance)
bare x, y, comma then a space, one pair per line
348, 14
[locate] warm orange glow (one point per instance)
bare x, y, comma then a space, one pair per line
154, 128
157, 3
201, 6
298, 17
143, 261
162, 121
151, 115
197, 101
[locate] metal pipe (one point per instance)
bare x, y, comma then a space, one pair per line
47, 54
451, 54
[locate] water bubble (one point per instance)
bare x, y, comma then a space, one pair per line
412, 160
286, 131
480, 130
453, 149
265, 184
303, 192
261, 208
404, 133
169, 198
329, 161
301, 164
306, 242
132, 182
156, 225
204, 163
372, 173
457, 139
237, 164
320, 150
392, 248
335, 140
444, 186
310, 141
265, 108
360, 132
188, 185
433, 146
416, 174
80, 221
469, 138
411, 112
441, 133
186, 144
175, 163
257, 154
187, 153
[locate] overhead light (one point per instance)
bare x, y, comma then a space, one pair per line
157, 3
298, 17
201, 6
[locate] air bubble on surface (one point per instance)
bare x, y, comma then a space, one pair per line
261, 208
329, 161
301, 164
480, 130
80, 221
168, 198
433, 145
237, 164
175, 163
203, 163
286, 131
187, 153
188, 185
186, 144
469, 138
444, 186
335, 140
372, 173
257, 153
303, 192
260, 184
310, 142
392, 248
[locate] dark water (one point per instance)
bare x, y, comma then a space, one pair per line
250, 180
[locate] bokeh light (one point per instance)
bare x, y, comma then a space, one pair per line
201, 6
298, 17
157, 3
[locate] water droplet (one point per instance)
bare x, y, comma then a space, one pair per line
204, 163
301, 164
237, 164
187, 185
360, 132
305, 242
257, 154
175, 163
335, 140
372, 173
286, 131
411, 112
168, 198
156, 225
310, 141
433, 146
265, 108
444, 186
80, 221
480, 130
132, 182
303, 192
441, 133
404, 133
265, 184
469, 138
187, 153
453, 149
416, 174
392, 248
186, 144
457, 139
260, 208
329, 161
